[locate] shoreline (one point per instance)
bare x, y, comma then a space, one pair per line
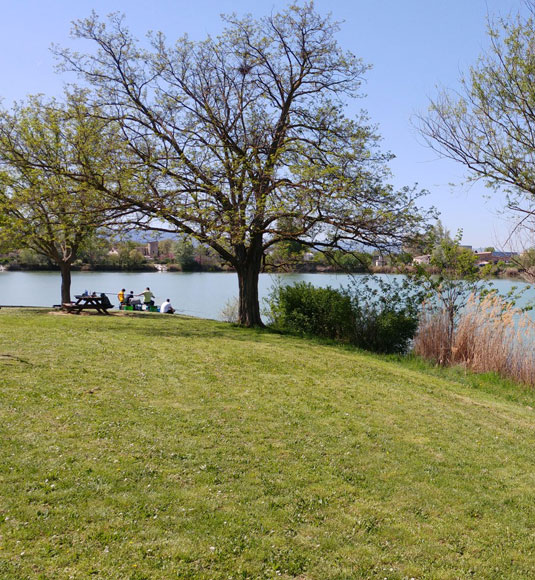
510, 274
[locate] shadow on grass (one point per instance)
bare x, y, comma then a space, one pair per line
34, 310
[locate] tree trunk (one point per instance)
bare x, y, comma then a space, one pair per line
249, 306
65, 269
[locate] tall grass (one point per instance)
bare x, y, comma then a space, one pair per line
432, 338
231, 310
491, 335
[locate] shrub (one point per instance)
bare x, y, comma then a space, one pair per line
306, 309
384, 330
381, 320
386, 313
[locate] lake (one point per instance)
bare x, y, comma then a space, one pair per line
201, 294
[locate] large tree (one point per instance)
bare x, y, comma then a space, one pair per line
488, 124
56, 159
245, 133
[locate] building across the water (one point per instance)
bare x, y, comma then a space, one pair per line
484, 258
149, 250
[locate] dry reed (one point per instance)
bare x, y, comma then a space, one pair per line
431, 340
491, 335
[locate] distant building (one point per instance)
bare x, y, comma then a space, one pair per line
425, 259
380, 262
484, 258
149, 250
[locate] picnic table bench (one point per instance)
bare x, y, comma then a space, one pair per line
88, 302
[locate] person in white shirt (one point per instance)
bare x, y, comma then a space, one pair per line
166, 307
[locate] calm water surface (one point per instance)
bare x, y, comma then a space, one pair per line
202, 294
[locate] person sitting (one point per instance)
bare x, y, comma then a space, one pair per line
166, 307
105, 301
148, 297
131, 300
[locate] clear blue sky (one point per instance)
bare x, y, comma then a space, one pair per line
413, 45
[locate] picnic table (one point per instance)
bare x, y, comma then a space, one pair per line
88, 302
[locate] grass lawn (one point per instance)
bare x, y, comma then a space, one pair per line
157, 447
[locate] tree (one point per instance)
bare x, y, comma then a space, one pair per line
288, 252
129, 257
56, 159
525, 262
185, 255
438, 233
489, 124
243, 132
356, 261
165, 247
27, 257
94, 250
435, 235
448, 292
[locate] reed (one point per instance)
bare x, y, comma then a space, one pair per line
431, 341
490, 335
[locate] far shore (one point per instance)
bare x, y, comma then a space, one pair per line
508, 273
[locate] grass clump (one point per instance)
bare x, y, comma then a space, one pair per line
160, 447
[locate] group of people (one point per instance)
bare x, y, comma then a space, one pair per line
104, 300
134, 300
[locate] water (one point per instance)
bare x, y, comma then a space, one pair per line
202, 294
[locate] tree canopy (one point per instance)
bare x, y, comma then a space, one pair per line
489, 124
242, 134
56, 158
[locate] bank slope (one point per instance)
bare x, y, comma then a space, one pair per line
166, 447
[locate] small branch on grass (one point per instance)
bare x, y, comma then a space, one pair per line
13, 357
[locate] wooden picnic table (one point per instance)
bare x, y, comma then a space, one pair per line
87, 302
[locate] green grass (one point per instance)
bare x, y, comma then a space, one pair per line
154, 447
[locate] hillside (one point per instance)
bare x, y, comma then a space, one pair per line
153, 447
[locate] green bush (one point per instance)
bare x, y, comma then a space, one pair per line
384, 330
306, 309
381, 319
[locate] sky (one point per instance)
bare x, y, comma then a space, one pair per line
414, 46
